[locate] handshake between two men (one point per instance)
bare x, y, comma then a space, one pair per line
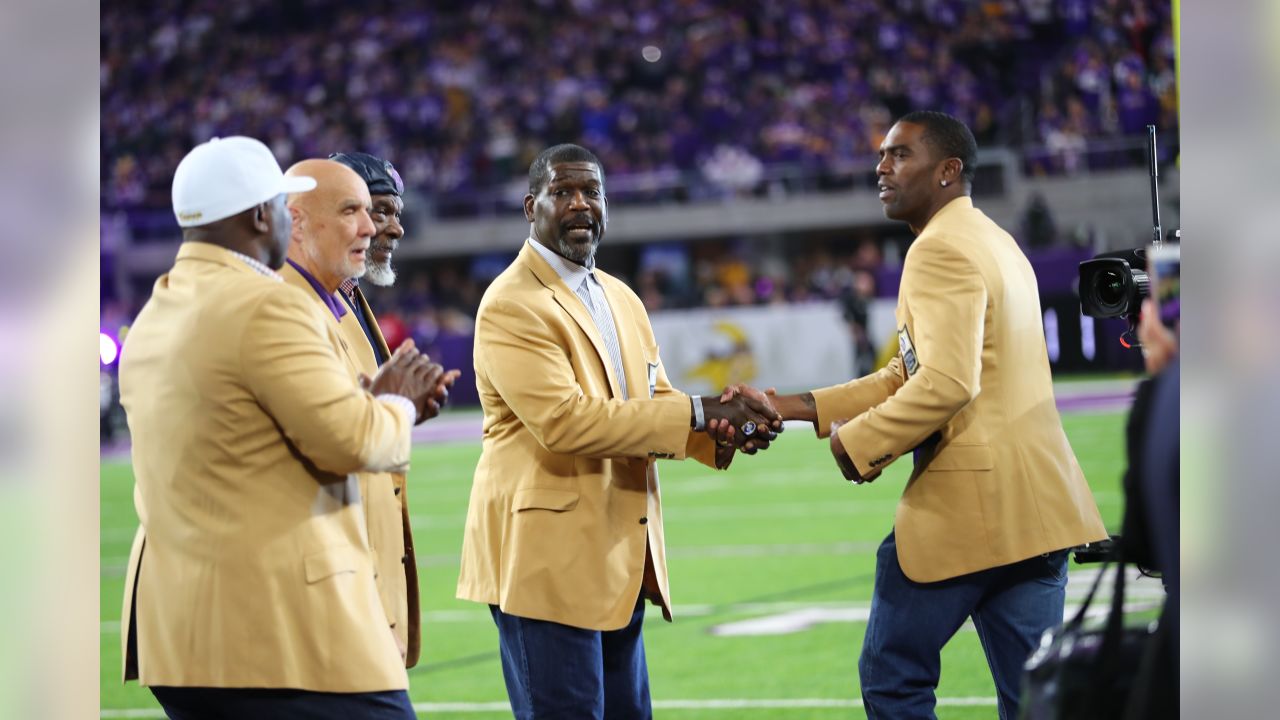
749, 419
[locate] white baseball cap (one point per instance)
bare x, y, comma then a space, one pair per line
225, 176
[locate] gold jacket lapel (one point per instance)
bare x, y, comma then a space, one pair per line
572, 304
379, 338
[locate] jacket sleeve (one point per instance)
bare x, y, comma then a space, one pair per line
947, 300
298, 378
523, 360
699, 445
842, 402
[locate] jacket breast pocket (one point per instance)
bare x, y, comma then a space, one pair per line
963, 456
330, 562
544, 499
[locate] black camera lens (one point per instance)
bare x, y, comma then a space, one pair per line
1111, 288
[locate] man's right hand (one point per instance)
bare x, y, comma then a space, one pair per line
410, 374
754, 423
791, 407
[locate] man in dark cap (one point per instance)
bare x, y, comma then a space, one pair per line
385, 189
387, 505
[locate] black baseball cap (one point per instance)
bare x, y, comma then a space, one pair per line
380, 175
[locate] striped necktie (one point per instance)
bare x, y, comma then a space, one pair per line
592, 295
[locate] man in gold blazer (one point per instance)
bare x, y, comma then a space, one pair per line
250, 589
563, 538
331, 239
385, 190
996, 495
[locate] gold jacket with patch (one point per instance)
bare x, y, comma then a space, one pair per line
251, 565
565, 498
995, 480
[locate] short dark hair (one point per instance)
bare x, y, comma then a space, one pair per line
554, 155
948, 136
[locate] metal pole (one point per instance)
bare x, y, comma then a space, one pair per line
1156, 233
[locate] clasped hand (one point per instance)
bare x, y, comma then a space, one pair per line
724, 432
744, 419
411, 374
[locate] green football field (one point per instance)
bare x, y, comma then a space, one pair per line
779, 539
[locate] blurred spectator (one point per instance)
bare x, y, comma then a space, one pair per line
1038, 230
733, 169
855, 303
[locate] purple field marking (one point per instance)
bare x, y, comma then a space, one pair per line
449, 429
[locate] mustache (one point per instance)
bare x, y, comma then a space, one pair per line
587, 220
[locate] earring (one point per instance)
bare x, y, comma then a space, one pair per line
944, 183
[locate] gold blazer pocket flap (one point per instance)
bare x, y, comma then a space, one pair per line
963, 456
328, 563
544, 499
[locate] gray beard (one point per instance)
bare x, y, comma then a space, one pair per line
570, 252
380, 275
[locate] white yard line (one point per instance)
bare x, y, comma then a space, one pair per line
1142, 593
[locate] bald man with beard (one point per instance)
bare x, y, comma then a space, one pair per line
330, 241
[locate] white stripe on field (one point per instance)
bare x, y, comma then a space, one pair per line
1138, 590
789, 623
719, 704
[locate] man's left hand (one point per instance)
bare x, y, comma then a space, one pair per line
847, 467
724, 454
440, 395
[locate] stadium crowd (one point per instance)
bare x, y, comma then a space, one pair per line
731, 94
439, 298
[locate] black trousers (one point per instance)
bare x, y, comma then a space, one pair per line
200, 703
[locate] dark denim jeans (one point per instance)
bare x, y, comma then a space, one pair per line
558, 671
1011, 607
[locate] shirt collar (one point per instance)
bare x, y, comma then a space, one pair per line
258, 267
331, 301
348, 287
570, 272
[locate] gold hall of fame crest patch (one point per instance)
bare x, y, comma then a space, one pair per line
908, 351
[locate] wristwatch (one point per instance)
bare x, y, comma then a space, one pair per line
699, 416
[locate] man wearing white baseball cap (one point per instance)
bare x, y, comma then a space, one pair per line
228, 176
250, 590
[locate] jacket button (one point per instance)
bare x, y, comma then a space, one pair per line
397, 491
644, 520
404, 559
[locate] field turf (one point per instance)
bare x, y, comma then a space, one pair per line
778, 533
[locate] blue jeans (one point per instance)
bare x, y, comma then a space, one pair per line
558, 671
1011, 607
204, 703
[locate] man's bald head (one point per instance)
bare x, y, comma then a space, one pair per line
332, 178
331, 224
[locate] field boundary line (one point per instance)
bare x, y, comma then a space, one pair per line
715, 704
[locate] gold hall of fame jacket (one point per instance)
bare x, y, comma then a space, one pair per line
995, 480
251, 566
565, 499
385, 495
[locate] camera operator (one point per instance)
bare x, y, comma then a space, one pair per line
1150, 534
